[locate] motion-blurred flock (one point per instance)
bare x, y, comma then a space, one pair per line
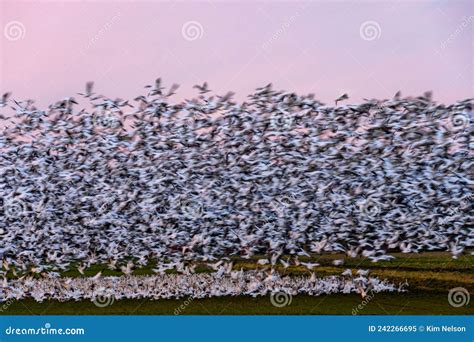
94, 180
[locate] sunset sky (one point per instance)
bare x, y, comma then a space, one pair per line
372, 49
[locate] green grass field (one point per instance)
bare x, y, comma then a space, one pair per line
430, 277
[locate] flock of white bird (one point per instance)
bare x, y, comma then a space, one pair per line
199, 285
279, 175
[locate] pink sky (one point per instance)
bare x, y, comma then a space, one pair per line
308, 47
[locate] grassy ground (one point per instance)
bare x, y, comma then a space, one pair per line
412, 303
430, 277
